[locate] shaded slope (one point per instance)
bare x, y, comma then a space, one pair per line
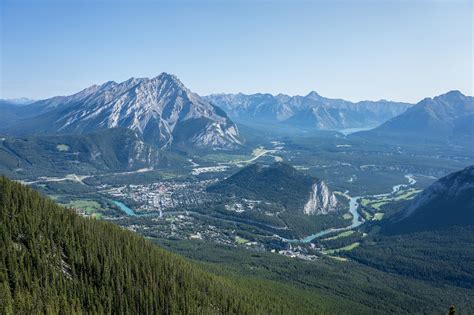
279, 195
447, 202
52, 261
431, 239
279, 183
116, 149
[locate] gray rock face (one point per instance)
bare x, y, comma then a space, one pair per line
161, 110
311, 110
321, 200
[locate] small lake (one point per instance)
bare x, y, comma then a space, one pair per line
124, 208
348, 131
128, 211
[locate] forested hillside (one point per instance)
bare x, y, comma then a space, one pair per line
278, 183
54, 261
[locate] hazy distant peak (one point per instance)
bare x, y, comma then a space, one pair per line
452, 95
19, 101
313, 95
310, 111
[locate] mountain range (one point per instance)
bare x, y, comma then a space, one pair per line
161, 110
447, 117
311, 111
165, 113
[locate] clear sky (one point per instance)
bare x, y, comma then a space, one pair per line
404, 50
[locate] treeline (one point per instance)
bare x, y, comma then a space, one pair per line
54, 261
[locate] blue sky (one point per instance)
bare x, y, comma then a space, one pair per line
404, 50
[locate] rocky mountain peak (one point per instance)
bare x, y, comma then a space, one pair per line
161, 110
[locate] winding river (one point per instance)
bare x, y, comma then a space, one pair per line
353, 206
356, 218
356, 221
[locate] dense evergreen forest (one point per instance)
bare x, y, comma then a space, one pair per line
349, 286
54, 261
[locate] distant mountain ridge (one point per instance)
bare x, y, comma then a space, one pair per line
18, 101
448, 116
311, 110
161, 110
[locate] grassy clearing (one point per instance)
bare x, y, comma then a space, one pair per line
378, 216
168, 175
377, 205
338, 258
345, 249
379, 202
347, 216
367, 215
410, 193
240, 240
343, 234
278, 158
62, 147
89, 206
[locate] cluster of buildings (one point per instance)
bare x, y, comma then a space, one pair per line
161, 196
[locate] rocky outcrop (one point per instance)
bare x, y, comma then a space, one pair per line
321, 200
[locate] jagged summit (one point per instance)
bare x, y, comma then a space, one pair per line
310, 111
313, 95
161, 109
